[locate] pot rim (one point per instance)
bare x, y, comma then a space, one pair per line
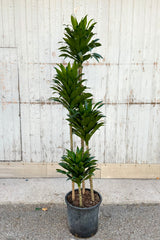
84, 208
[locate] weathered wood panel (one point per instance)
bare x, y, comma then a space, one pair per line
10, 139
127, 79
132, 134
7, 24
45, 134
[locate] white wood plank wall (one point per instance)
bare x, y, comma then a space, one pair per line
127, 79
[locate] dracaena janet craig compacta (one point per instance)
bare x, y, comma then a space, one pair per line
84, 116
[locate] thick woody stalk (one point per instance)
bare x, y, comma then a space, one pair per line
91, 187
73, 192
82, 141
71, 142
83, 187
91, 183
80, 71
80, 196
83, 183
71, 138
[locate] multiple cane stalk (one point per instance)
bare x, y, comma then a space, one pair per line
71, 147
84, 117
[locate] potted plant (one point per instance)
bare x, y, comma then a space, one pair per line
84, 119
82, 212
78, 45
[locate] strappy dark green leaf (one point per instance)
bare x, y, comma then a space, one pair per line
86, 119
78, 165
78, 41
68, 85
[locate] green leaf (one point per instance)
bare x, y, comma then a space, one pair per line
61, 171
80, 165
74, 21
78, 41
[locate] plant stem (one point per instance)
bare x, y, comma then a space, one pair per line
80, 196
91, 182
82, 144
83, 187
87, 147
80, 71
71, 138
91, 187
82, 141
83, 183
73, 192
71, 142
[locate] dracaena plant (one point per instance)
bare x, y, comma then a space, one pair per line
68, 84
84, 117
85, 121
68, 89
78, 42
78, 166
78, 45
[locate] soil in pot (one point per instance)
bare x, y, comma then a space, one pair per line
83, 222
86, 199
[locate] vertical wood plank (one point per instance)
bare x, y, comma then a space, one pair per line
126, 31
2, 149
102, 28
120, 134
43, 31
7, 23
35, 133
114, 31
26, 143
112, 83
110, 133
9, 105
154, 135
57, 28
1, 26
157, 35
138, 31
96, 82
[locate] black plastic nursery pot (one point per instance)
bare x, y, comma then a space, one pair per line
83, 222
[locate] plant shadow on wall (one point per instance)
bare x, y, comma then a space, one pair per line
84, 118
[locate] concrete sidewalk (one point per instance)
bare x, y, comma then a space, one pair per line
113, 191
130, 209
